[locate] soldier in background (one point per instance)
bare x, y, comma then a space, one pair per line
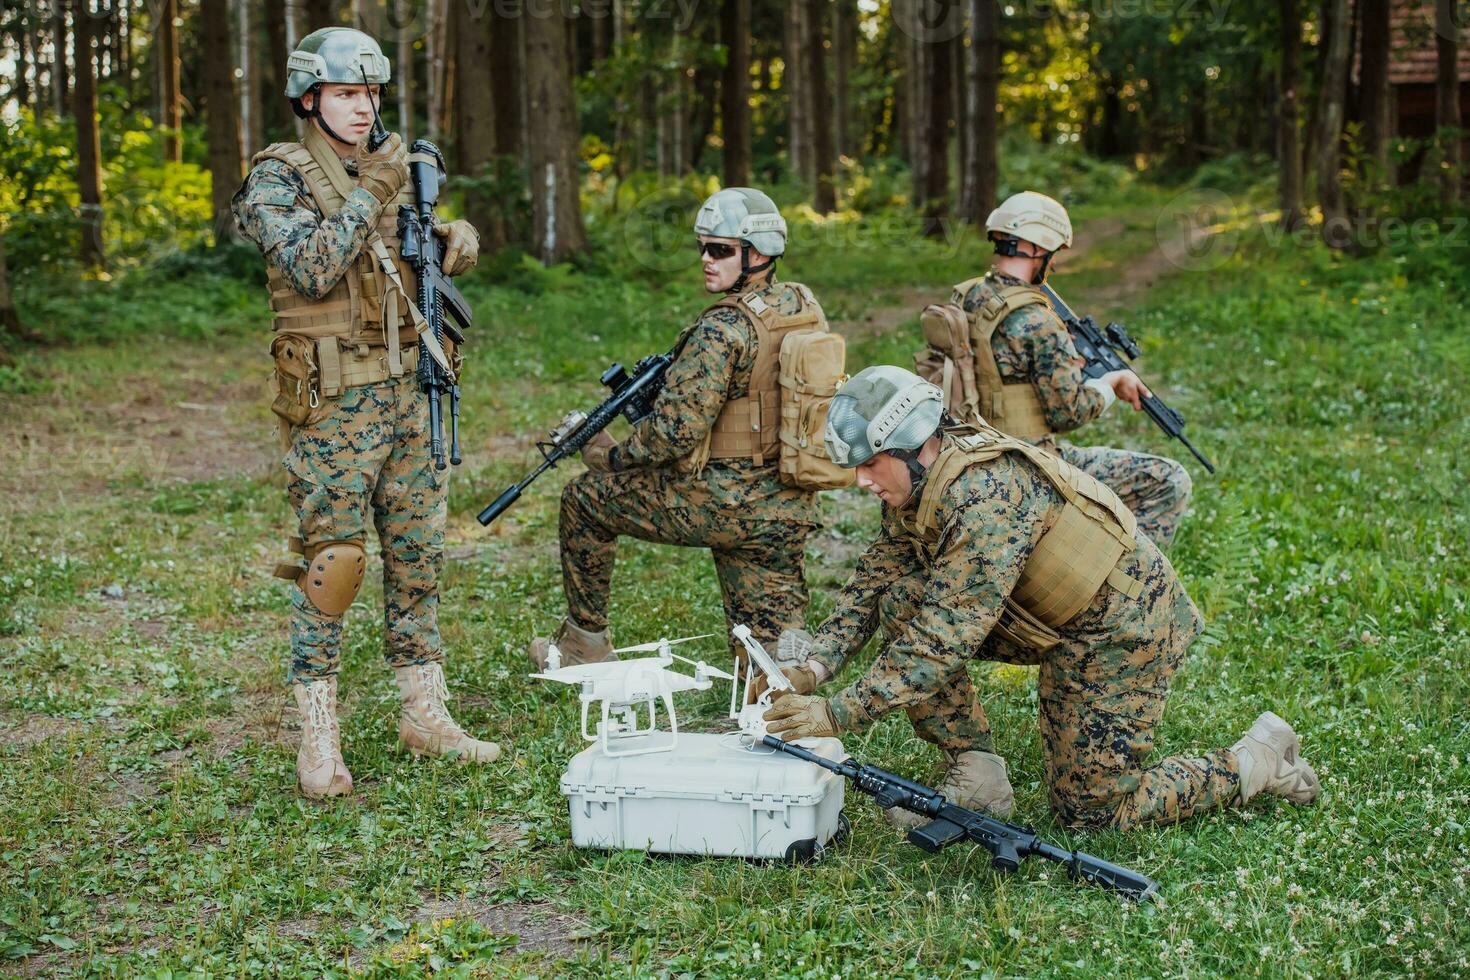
324, 213
696, 472
992, 548
1039, 369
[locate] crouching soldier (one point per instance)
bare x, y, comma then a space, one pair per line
704, 469
994, 549
324, 212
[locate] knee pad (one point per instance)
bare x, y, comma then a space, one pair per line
333, 576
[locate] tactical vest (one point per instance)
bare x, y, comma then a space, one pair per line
749, 427
1083, 550
355, 327
1014, 407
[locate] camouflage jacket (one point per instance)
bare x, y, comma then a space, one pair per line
276, 211
1033, 344
990, 520
713, 365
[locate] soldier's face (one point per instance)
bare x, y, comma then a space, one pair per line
720, 258
887, 478
348, 109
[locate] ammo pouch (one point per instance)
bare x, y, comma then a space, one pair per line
298, 380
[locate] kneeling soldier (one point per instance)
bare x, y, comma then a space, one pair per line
325, 214
701, 470
1028, 373
994, 549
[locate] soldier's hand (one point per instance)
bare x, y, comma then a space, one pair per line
1127, 387
595, 454
802, 678
461, 246
797, 716
383, 171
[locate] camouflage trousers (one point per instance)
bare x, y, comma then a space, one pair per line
760, 562
1095, 750
370, 454
1155, 488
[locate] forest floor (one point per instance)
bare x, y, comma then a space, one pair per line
151, 824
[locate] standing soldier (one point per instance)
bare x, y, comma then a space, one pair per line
992, 548
324, 212
1027, 366
701, 469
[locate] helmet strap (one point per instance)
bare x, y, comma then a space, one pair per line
1040, 276
910, 457
747, 270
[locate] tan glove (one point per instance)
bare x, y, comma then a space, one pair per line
595, 454
461, 247
802, 677
795, 716
382, 172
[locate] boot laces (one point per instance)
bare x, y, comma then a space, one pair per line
320, 718
436, 692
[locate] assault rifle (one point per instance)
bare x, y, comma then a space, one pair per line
1100, 348
436, 294
950, 824
632, 397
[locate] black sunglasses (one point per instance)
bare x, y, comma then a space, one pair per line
715, 250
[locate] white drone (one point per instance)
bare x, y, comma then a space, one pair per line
626, 686
749, 715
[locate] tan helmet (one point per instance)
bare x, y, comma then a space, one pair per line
1033, 218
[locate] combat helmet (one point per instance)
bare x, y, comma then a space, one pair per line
333, 55
750, 217
883, 409
1030, 217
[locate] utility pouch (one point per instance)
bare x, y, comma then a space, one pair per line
298, 385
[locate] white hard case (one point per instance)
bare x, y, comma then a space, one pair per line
708, 796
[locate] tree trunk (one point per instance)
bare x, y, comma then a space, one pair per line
292, 34
824, 168
735, 91
59, 87
555, 209
507, 55
320, 13
21, 30
1288, 117
246, 84
218, 91
1447, 99
89, 150
982, 76
166, 54
794, 81
934, 199
9, 315
1373, 91
1329, 122
844, 54
403, 73
275, 110
475, 120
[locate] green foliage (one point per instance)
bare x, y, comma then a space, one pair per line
151, 208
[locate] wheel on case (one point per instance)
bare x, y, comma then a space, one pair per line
844, 827
802, 851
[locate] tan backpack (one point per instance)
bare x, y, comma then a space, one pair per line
958, 357
799, 366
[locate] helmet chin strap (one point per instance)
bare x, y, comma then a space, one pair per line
747, 270
1010, 247
316, 114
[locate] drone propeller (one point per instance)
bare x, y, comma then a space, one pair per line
659, 644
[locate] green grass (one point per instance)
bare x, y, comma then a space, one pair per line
151, 825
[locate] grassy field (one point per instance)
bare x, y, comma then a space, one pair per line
150, 824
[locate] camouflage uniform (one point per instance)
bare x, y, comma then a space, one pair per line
366, 451
755, 526
1102, 688
1032, 344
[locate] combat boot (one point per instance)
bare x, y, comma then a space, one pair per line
577, 646
975, 780
1269, 763
319, 766
424, 724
